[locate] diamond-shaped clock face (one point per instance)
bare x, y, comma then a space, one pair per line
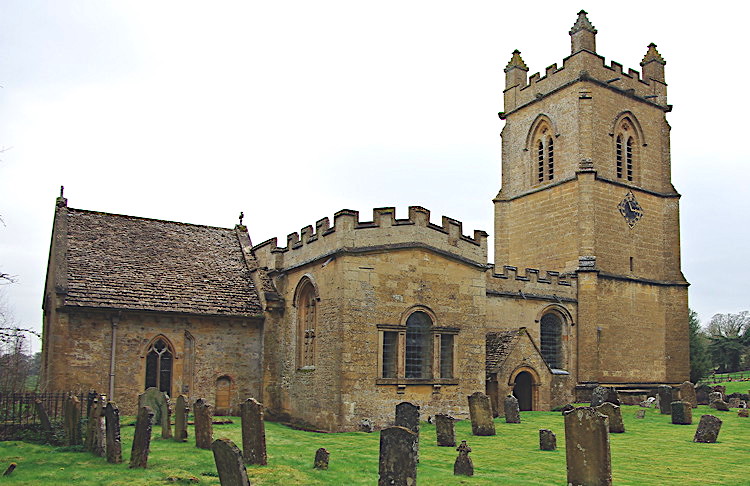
630, 209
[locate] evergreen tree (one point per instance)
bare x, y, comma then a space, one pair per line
700, 362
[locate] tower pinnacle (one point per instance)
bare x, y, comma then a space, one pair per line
582, 34
515, 71
653, 64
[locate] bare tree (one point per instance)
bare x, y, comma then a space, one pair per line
729, 325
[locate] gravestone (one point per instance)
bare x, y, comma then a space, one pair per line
567, 407
603, 394
365, 425
321, 458
701, 393
715, 396
614, 414
95, 431
72, 420
204, 432
512, 412
463, 465
158, 401
687, 394
445, 429
708, 429
587, 447
682, 413
719, 405
721, 389
407, 416
648, 403
142, 438
112, 429
665, 399
547, 440
398, 457
734, 403
743, 412
481, 414
229, 464
253, 433
639, 414
181, 419
43, 416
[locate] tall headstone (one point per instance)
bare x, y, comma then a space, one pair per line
95, 431
614, 414
142, 438
112, 427
682, 413
229, 464
463, 465
204, 429
512, 412
701, 393
407, 416
321, 459
253, 432
43, 416
587, 447
398, 457
181, 418
665, 399
687, 394
158, 401
602, 394
547, 440
481, 414
708, 429
72, 420
445, 429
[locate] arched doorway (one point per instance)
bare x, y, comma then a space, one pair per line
223, 395
522, 390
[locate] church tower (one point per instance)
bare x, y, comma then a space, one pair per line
586, 189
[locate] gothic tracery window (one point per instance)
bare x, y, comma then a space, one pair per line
550, 331
306, 324
544, 153
159, 366
625, 150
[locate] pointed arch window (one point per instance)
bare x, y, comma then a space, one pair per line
550, 332
543, 150
626, 143
159, 359
307, 321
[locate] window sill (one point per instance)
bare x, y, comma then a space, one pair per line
416, 381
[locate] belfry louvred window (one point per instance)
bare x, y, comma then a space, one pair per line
543, 150
626, 144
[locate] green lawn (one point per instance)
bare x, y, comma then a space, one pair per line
652, 451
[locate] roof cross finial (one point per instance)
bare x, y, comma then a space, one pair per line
62, 188
242, 215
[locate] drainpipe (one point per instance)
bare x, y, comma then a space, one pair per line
115, 321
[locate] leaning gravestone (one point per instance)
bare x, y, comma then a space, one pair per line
682, 413
253, 433
734, 403
72, 420
445, 429
398, 457
481, 414
95, 431
463, 465
614, 414
719, 405
229, 464
708, 429
181, 419
665, 399
204, 431
321, 459
158, 401
43, 416
142, 438
587, 447
547, 440
512, 412
687, 394
603, 394
112, 429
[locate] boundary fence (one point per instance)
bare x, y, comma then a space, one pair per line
20, 408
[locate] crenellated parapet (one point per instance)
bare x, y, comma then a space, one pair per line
385, 232
584, 64
508, 281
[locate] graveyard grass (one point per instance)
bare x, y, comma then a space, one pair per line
651, 451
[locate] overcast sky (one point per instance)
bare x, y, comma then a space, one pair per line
290, 111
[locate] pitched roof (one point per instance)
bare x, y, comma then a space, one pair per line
125, 262
498, 347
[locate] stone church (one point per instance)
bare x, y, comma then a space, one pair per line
353, 315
